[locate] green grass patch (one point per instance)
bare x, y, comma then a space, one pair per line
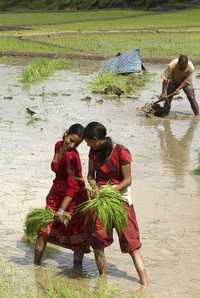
196, 171
127, 83
110, 19
127, 19
152, 44
18, 45
21, 282
41, 69
70, 18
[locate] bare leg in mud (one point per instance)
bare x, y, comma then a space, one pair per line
40, 246
101, 261
78, 259
189, 91
139, 266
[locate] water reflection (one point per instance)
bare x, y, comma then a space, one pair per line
174, 150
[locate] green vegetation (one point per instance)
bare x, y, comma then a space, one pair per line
108, 207
18, 282
37, 219
127, 83
41, 69
68, 18
197, 170
130, 19
18, 45
158, 35
112, 19
152, 44
77, 4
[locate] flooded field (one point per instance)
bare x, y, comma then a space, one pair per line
166, 194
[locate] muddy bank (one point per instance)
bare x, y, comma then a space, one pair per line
83, 56
53, 56
166, 195
14, 28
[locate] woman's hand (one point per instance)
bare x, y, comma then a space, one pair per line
63, 216
94, 192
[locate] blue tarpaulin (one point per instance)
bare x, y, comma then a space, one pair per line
128, 62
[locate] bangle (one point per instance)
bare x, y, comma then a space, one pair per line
61, 211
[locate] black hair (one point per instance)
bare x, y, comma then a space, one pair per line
183, 59
76, 129
96, 130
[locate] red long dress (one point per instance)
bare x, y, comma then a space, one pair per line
68, 182
110, 172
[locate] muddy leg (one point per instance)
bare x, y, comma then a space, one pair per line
100, 261
139, 266
40, 246
78, 259
189, 91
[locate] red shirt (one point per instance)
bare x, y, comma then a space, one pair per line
110, 170
69, 171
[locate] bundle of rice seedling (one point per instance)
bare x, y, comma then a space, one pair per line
108, 207
37, 219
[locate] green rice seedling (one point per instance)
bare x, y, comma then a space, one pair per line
37, 219
196, 171
127, 83
41, 69
108, 206
106, 79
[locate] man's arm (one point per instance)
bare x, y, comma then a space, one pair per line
164, 88
166, 78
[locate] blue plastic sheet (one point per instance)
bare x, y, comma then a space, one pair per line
128, 62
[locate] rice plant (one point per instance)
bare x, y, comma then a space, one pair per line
37, 219
41, 69
108, 206
127, 83
197, 170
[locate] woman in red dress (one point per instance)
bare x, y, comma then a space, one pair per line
67, 192
111, 163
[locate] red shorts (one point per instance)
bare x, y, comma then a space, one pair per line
129, 239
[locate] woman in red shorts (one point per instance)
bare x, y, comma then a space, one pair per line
111, 163
67, 192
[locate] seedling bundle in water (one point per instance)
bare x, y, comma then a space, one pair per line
108, 207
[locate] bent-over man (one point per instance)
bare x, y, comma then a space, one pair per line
177, 76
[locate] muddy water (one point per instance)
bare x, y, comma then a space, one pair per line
166, 194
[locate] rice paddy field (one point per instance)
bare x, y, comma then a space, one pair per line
159, 35
60, 92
